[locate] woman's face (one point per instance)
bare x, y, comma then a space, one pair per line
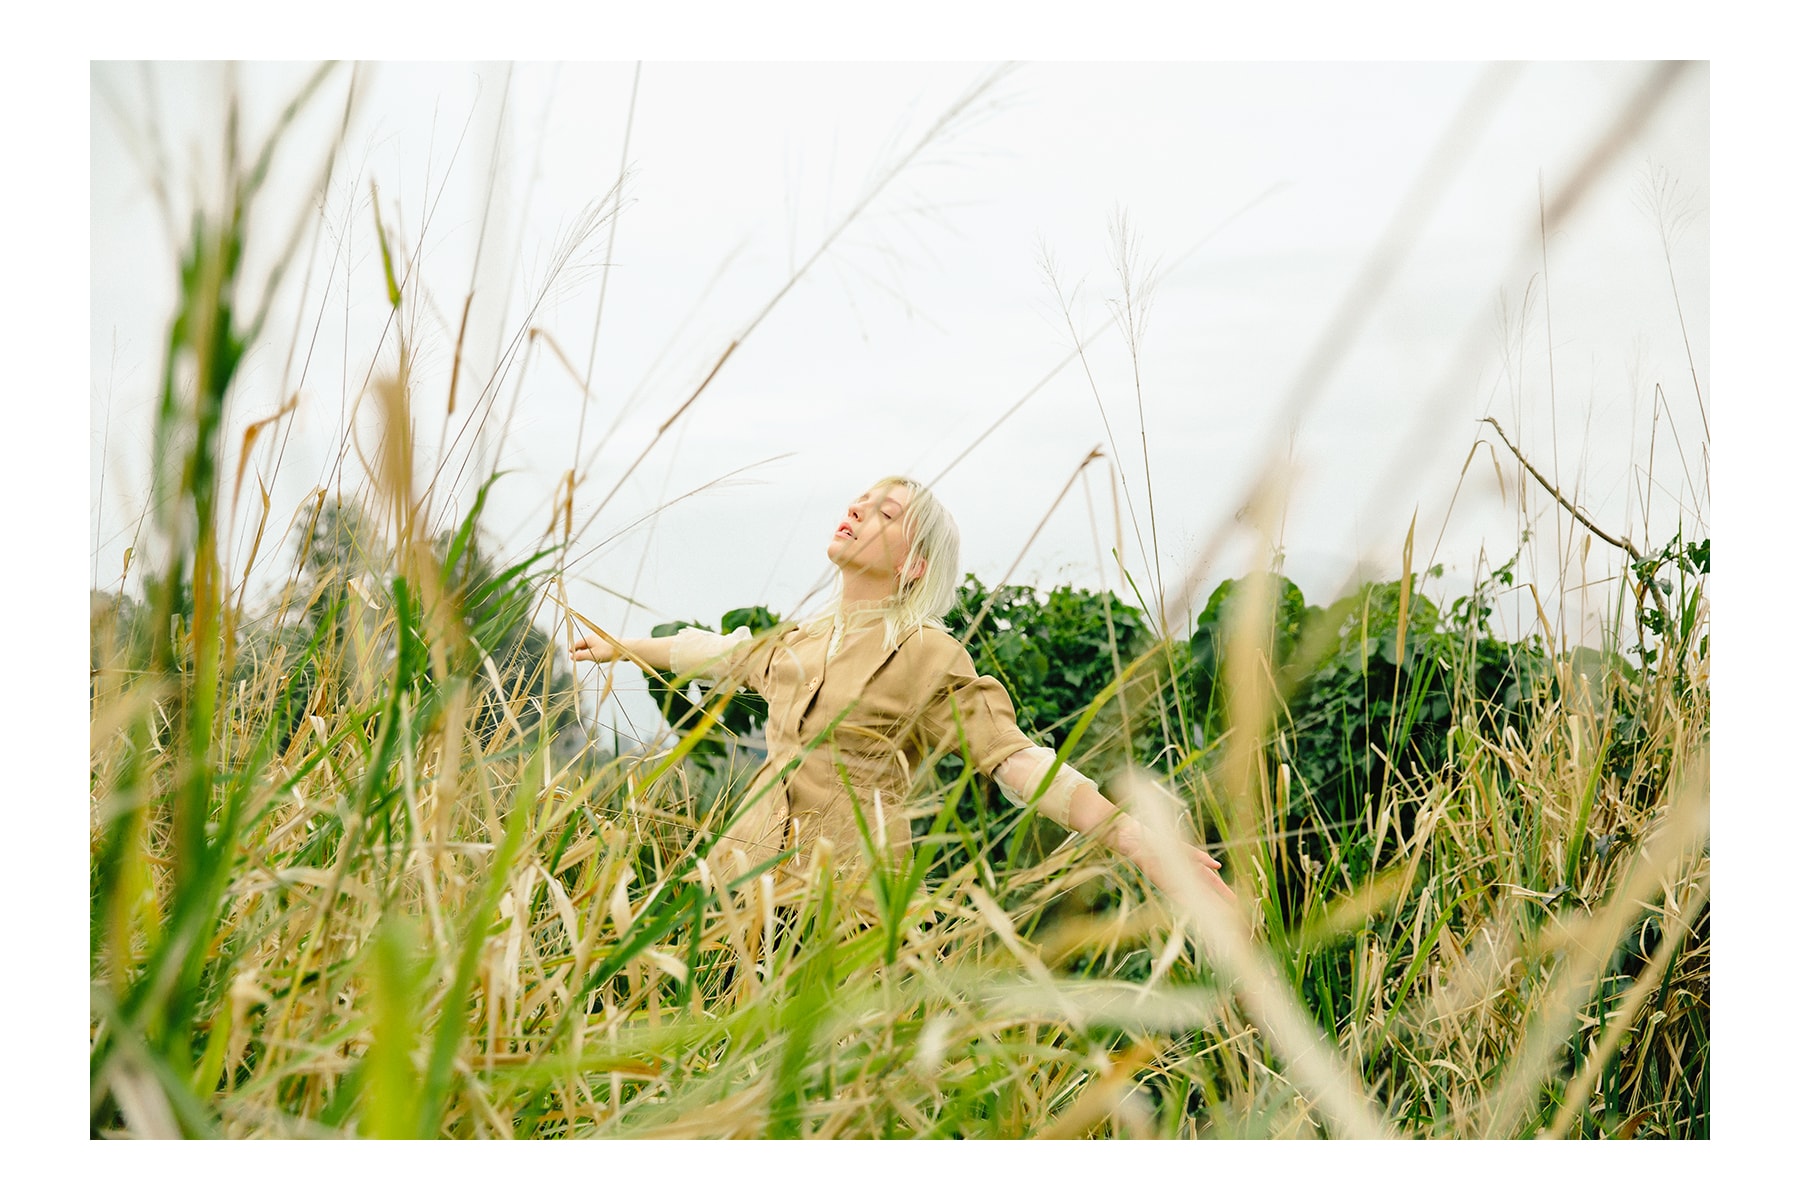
872, 538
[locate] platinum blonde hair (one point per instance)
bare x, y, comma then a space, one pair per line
935, 553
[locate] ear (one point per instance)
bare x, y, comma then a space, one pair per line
918, 572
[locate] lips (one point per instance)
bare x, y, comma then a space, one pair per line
844, 530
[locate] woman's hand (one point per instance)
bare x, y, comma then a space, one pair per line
1193, 860
1090, 811
595, 647
652, 654
1160, 865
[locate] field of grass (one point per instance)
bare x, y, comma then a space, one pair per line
348, 880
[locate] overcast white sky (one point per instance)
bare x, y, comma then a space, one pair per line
1256, 194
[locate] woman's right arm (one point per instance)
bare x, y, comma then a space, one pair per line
598, 647
691, 652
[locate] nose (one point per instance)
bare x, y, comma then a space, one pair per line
855, 511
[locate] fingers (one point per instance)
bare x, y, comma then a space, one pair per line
590, 649
1210, 870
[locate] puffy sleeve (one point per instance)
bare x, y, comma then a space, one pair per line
1021, 777
972, 715
701, 653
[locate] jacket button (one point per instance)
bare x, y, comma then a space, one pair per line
813, 682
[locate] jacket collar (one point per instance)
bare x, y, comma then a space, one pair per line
859, 659
854, 615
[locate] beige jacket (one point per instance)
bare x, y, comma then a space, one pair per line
853, 727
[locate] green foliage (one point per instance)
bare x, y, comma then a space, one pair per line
1670, 624
1054, 654
1207, 645
1374, 694
1690, 562
1361, 700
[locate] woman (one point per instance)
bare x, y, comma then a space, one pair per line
861, 697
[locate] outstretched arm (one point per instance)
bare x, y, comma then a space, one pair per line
685, 653
645, 652
1072, 800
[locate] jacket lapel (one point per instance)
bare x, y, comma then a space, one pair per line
864, 652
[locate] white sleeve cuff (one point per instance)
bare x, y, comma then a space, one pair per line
695, 650
1021, 774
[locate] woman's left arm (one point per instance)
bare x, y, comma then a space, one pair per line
1072, 800
974, 713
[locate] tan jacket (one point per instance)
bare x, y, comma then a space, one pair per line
855, 728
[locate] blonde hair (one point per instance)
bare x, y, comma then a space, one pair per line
934, 553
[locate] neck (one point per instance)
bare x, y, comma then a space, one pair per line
858, 586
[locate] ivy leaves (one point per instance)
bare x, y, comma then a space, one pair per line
1054, 654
